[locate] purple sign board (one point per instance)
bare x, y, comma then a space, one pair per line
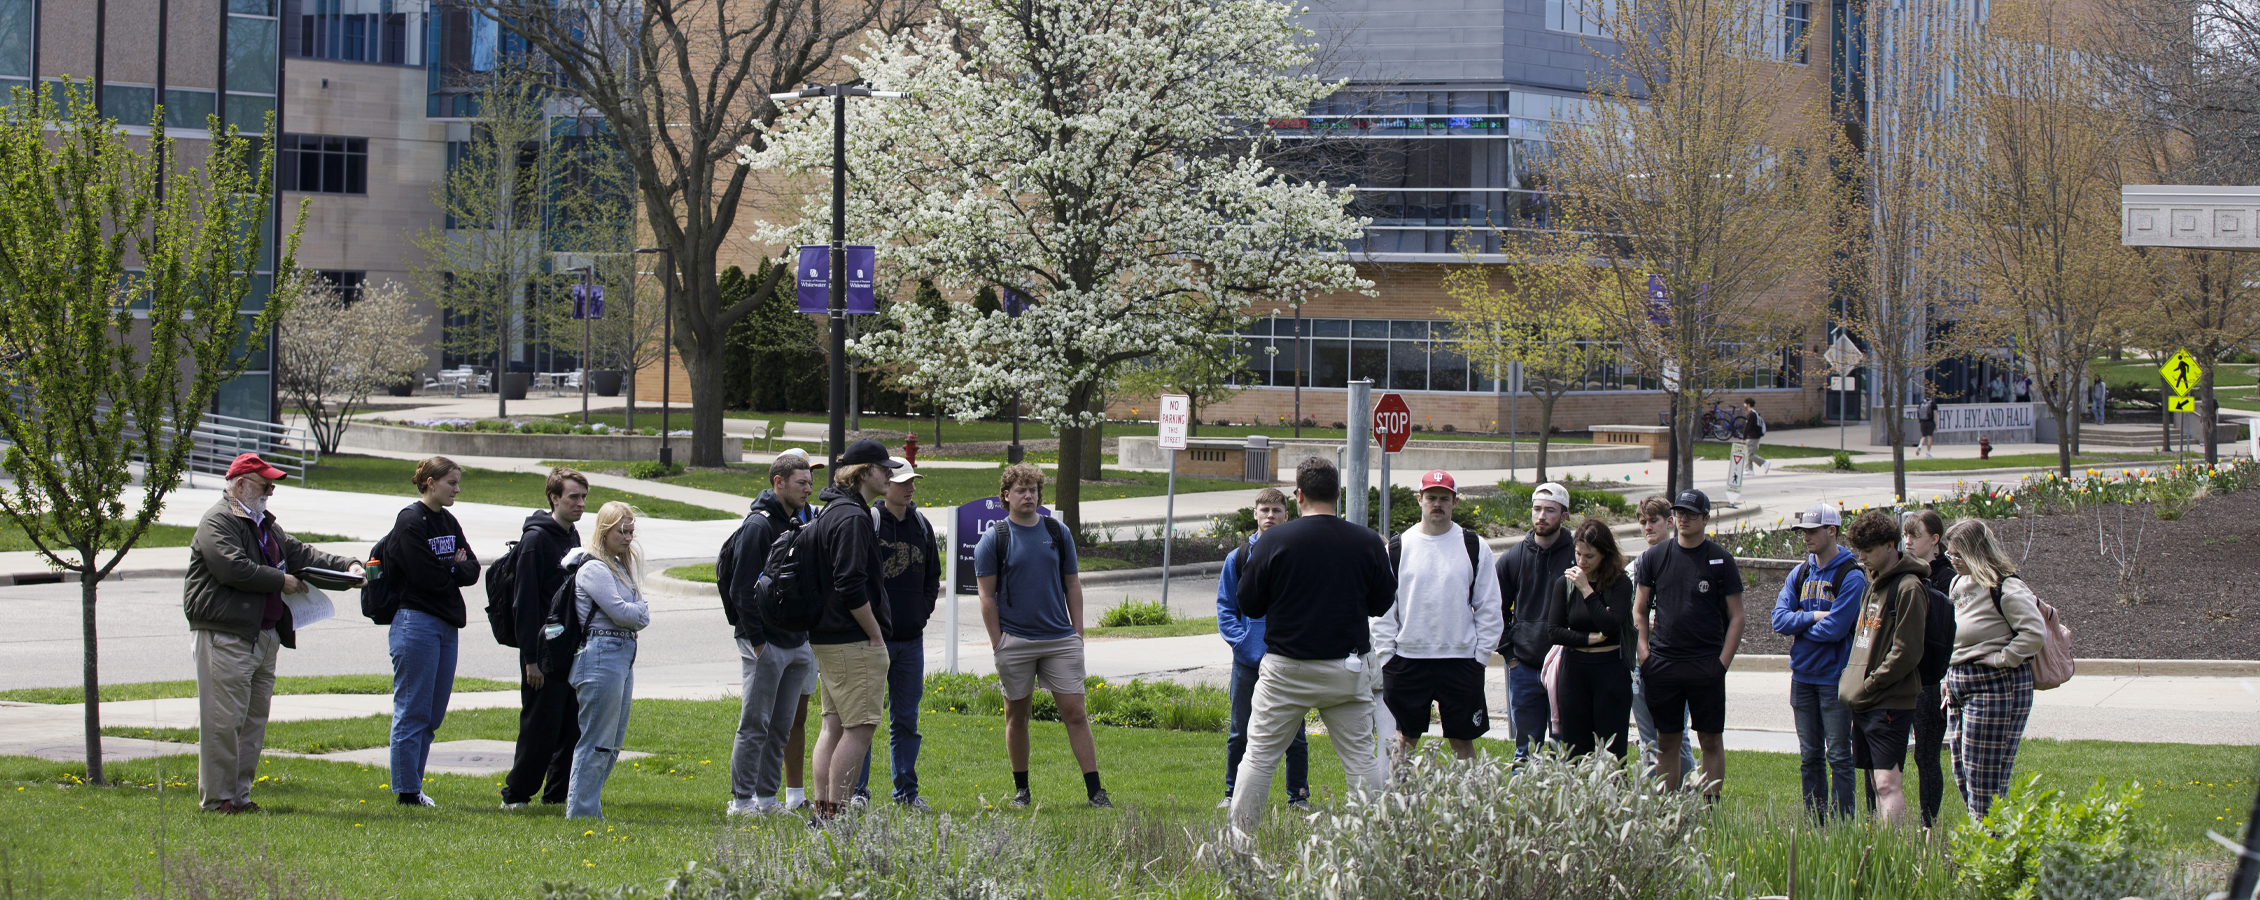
1014, 303
1659, 301
813, 276
588, 301
973, 521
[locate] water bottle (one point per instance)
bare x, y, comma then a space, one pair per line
550, 631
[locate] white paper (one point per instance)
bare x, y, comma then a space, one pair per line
309, 607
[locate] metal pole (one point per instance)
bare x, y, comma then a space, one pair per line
839, 399
666, 356
949, 577
1384, 520
588, 328
1168, 527
1298, 370
1360, 437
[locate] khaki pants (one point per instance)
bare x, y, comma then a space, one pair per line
235, 681
1285, 691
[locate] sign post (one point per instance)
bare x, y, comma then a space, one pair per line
1842, 357
588, 306
949, 577
2181, 372
1392, 423
1736, 462
1176, 415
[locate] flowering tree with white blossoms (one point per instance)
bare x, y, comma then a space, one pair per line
1105, 159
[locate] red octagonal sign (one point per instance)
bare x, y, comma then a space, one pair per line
1392, 423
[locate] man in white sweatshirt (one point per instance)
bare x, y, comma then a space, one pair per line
1445, 623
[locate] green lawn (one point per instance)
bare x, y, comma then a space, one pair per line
703, 573
2145, 371
159, 534
284, 684
1708, 450
1176, 628
2010, 461
336, 827
376, 475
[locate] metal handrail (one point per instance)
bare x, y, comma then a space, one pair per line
220, 439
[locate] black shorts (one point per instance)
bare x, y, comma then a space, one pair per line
1408, 686
1694, 689
1930, 426
1879, 738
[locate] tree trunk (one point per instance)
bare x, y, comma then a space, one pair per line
630, 392
706, 373
1545, 431
2208, 410
1895, 403
1069, 497
937, 424
1689, 426
1094, 442
90, 672
2063, 438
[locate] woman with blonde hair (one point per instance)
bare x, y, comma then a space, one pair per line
612, 610
1988, 689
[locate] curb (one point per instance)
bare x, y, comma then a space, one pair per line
2137, 668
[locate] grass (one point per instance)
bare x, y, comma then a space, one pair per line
703, 573
13, 539
337, 828
2011, 461
1175, 628
2145, 372
1708, 450
284, 684
376, 475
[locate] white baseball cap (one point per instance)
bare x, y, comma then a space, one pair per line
803, 454
1554, 492
902, 472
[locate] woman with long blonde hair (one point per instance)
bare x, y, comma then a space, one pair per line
612, 610
1988, 688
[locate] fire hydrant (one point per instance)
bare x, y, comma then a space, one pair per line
910, 448
1985, 448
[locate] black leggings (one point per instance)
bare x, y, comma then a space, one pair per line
1930, 738
1595, 700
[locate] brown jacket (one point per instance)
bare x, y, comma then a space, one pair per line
228, 581
1887, 645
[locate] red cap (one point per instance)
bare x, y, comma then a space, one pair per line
1439, 479
251, 464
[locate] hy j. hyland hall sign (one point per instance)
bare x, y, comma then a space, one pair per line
1964, 423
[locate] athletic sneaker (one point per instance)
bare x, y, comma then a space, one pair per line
1301, 803
746, 807
859, 801
1100, 801
1225, 803
915, 804
517, 805
800, 802
1022, 800
416, 799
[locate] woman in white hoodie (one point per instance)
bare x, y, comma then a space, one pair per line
612, 610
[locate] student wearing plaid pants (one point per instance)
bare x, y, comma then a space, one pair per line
1985, 720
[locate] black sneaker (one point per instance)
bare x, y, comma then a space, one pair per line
1022, 800
1099, 800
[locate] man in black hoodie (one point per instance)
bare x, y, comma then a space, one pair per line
773, 663
850, 637
548, 716
1526, 570
911, 570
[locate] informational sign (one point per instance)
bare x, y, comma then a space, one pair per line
1392, 422
1659, 301
1843, 356
1015, 302
1737, 462
588, 301
1176, 415
973, 521
2181, 403
813, 278
2182, 372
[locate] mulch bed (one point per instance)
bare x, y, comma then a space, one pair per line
2196, 578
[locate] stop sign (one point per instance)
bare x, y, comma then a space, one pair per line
1392, 423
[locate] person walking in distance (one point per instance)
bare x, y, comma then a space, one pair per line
1754, 429
1526, 573
1925, 533
612, 610
239, 566
1880, 683
432, 564
1032, 605
548, 713
1654, 516
850, 635
1244, 634
1592, 616
1998, 629
1315, 582
911, 573
774, 665
1926, 417
2098, 396
1687, 605
1817, 608
1434, 641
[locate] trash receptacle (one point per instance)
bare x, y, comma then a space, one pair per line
1259, 465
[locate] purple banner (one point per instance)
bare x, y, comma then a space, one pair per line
1659, 301
813, 278
973, 521
1015, 303
588, 301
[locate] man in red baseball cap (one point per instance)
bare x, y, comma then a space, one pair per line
1442, 630
239, 566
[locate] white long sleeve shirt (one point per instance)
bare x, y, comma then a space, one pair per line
606, 600
1433, 617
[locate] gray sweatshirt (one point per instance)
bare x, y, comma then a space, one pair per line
607, 600
1982, 635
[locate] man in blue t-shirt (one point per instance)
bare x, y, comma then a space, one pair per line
1032, 604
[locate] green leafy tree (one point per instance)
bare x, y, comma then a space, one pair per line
120, 316
1543, 314
776, 362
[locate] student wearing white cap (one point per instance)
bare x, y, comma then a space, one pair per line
1527, 572
910, 570
1818, 607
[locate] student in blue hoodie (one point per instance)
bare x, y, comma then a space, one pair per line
1818, 608
1245, 635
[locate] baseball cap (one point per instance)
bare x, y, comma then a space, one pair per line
868, 451
1819, 515
803, 454
1439, 479
251, 464
1554, 492
903, 471
1693, 501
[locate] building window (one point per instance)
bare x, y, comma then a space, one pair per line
1587, 17
347, 284
1796, 23
1419, 355
323, 164
359, 31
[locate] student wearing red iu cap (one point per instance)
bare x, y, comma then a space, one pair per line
239, 566
1441, 631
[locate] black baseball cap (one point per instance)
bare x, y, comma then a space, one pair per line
867, 451
1691, 500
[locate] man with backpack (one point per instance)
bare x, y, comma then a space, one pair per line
1881, 683
1754, 428
1244, 634
773, 663
849, 635
1818, 605
911, 568
1032, 605
1926, 419
1526, 572
1435, 640
548, 715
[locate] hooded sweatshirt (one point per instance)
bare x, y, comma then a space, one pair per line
607, 601
1883, 669
541, 571
844, 541
764, 521
910, 570
1818, 648
1437, 615
1526, 572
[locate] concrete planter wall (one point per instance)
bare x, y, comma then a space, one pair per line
518, 446
1141, 452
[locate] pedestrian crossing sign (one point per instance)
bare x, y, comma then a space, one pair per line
2181, 371
2181, 404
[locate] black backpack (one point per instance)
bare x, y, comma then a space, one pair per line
502, 593
1474, 559
378, 600
1003, 531
562, 630
790, 593
1938, 636
726, 565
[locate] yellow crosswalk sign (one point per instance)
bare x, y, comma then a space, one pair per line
2181, 404
2182, 372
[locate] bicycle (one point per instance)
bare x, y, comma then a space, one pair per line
1722, 424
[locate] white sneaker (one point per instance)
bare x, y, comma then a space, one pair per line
513, 806
800, 802
747, 807
421, 800
1225, 803
859, 801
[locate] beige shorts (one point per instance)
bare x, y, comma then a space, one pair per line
1056, 664
855, 681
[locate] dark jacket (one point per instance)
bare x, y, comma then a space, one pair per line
1315, 581
765, 520
1526, 572
1887, 648
1571, 620
844, 539
541, 547
422, 562
228, 580
911, 570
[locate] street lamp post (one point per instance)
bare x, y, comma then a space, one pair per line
667, 352
588, 279
837, 313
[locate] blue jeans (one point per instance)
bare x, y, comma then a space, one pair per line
906, 686
604, 680
1824, 748
423, 675
1532, 713
1236, 742
1646, 722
